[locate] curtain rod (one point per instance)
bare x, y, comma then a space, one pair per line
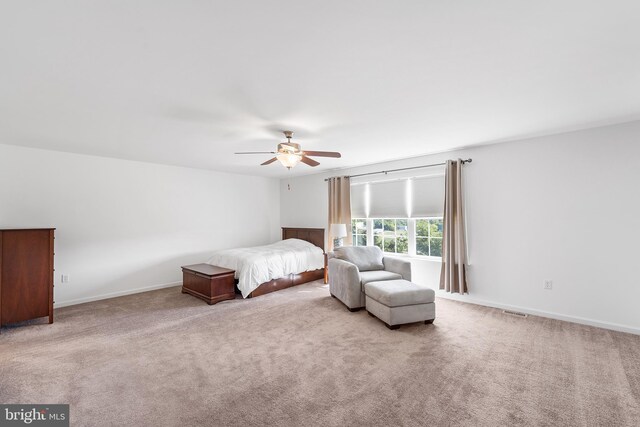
402, 169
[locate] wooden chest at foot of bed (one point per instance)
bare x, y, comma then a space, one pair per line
208, 282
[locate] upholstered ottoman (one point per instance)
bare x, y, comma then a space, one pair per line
397, 302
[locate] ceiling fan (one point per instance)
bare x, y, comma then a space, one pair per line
290, 154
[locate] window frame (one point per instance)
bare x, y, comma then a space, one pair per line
411, 236
354, 235
395, 237
428, 237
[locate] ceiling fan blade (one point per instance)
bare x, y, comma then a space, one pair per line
309, 161
257, 152
323, 154
268, 162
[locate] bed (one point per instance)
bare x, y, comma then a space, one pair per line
298, 258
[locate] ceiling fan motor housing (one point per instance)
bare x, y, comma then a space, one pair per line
289, 148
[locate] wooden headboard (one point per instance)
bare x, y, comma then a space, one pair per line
311, 235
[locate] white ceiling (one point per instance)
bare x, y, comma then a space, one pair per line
191, 82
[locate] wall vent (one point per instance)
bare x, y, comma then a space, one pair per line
514, 313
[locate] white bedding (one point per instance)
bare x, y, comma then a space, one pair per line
261, 264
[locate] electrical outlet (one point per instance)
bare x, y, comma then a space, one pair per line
64, 278
548, 284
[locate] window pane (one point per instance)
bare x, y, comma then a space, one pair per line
402, 245
422, 227
436, 227
402, 227
389, 244
422, 246
392, 235
436, 247
377, 241
389, 225
353, 226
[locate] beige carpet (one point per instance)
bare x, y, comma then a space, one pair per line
298, 357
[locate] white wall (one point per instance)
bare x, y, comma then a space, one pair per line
125, 226
564, 207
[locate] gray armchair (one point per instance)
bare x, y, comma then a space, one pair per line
351, 267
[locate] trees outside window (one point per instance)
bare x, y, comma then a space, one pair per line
359, 232
394, 235
429, 237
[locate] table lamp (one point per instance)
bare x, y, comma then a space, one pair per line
338, 231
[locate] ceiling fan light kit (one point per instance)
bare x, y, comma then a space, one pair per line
289, 160
290, 154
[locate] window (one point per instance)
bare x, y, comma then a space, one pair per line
401, 215
359, 231
422, 236
391, 235
429, 237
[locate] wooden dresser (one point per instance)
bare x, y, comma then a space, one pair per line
26, 274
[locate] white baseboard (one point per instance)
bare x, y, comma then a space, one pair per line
115, 294
540, 313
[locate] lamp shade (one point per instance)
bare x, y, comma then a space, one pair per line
289, 160
338, 230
